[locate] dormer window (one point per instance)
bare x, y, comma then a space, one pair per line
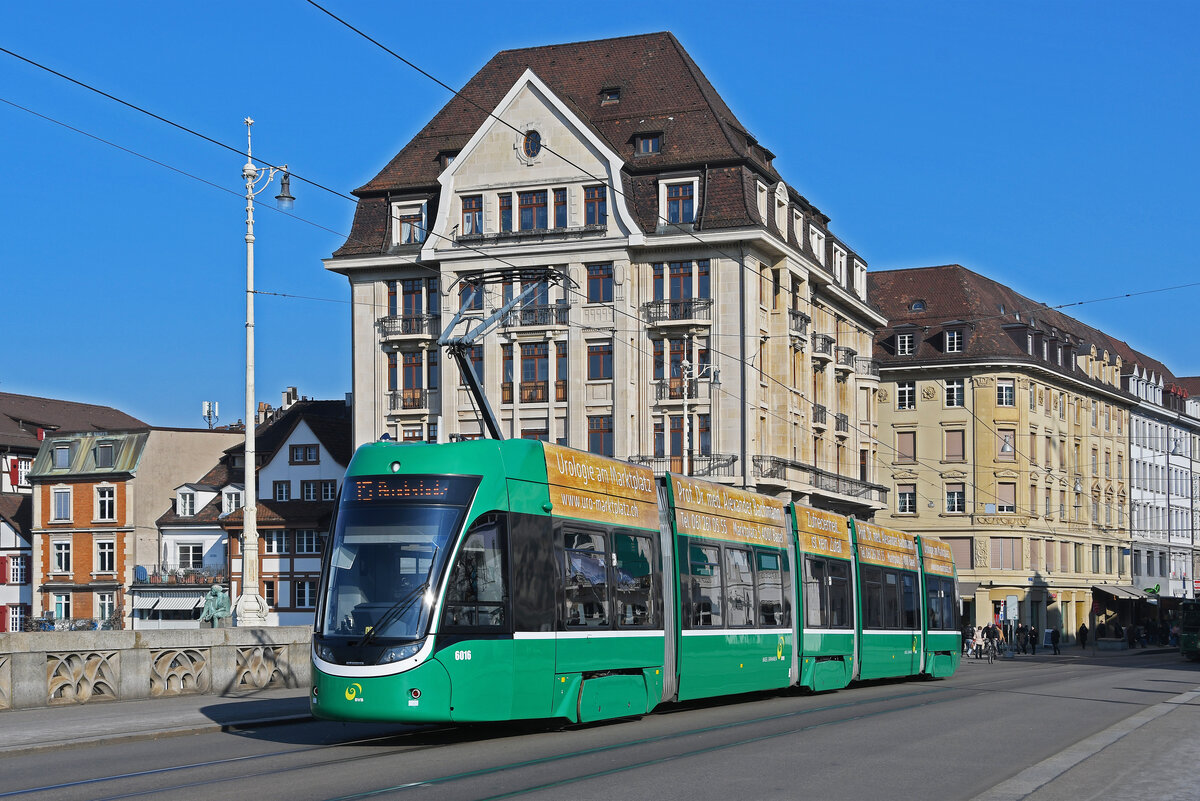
62, 456
232, 501
917, 305
647, 144
610, 95
904, 344
104, 455
680, 202
186, 506
408, 223
762, 202
817, 239
953, 341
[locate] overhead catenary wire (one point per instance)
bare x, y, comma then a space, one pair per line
867, 436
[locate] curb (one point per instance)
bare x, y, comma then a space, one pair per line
136, 736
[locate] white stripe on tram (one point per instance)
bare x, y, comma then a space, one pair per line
733, 632
585, 635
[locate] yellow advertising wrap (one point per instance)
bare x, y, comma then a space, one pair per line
884, 546
821, 532
704, 509
597, 488
938, 559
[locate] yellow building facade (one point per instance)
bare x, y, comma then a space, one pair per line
1004, 432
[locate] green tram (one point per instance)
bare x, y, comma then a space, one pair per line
1189, 629
498, 580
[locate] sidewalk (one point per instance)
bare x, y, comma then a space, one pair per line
1074, 652
42, 728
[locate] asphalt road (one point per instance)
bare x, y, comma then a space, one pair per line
1015, 729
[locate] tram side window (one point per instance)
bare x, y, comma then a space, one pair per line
873, 598
586, 580
815, 594
942, 606
908, 585
739, 588
772, 580
839, 594
891, 600
704, 587
637, 594
477, 592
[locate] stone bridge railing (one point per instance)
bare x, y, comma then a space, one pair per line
76, 667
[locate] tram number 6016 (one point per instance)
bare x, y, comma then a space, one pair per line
460, 656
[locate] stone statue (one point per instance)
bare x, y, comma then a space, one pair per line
216, 606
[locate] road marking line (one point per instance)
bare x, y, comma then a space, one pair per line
1032, 778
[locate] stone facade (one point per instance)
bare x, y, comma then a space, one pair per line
709, 321
1006, 427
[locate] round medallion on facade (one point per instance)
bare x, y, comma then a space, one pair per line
532, 144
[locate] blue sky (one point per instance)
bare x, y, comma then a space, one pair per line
1050, 146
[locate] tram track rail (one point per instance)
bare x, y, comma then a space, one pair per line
922, 698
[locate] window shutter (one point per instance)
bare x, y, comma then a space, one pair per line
1008, 495
3, 618
954, 446
906, 444
3, 571
13, 472
962, 549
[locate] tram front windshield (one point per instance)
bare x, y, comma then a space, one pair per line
383, 561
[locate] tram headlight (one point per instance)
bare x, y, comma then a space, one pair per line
325, 653
398, 652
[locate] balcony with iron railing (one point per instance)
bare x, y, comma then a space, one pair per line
715, 465
798, 323
686, 311
866, 367
541, 314
409, 326
822, 349
180, 573
675, 389
404, 400
841, 425
531, 235
782, 472
533, 391
844, 361
819, 414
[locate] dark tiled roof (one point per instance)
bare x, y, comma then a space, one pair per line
1190, 383
329, 421
17, 510
662, 90
994, 318
290, 513
22, 415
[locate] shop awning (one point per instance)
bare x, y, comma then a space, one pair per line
1123, 591
144, 601
966, 588
180, 602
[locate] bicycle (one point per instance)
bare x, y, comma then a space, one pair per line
992, 650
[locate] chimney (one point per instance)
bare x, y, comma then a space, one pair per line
349, 400
290, 396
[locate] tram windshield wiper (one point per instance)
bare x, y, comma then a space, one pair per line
401, 606
393, 612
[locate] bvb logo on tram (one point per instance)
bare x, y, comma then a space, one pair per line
353, 691
779, 648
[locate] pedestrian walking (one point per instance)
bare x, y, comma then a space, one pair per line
1054, 637
1083, 632
1033, 635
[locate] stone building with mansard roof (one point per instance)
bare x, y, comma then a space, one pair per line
1004, 431
689, 258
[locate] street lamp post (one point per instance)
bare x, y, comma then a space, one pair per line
251, 606
685, 373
